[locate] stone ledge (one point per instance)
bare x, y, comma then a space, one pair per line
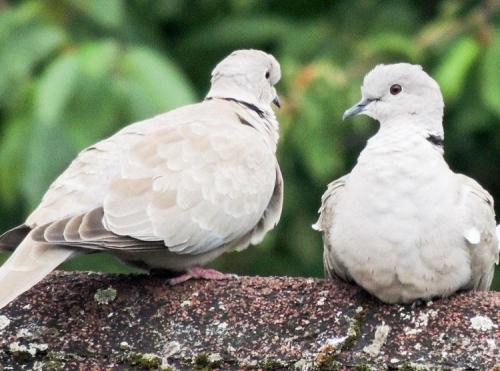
97, 321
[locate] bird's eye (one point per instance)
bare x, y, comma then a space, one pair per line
395, 89
268, 74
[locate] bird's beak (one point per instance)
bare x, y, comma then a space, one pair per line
357, 108
277, 102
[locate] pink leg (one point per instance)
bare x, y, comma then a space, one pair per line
179, 279
198, 272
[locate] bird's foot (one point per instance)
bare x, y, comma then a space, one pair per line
198, 272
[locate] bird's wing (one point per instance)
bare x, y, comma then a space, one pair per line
193, 187
87, 231
326, 220
479, 232
12, 238
272, 213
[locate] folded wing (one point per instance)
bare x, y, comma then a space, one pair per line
191, 187
479, 232
326, 223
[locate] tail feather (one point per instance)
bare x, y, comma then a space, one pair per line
27, 266
13, 237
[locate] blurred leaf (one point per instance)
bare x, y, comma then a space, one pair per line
395, 43
13, 156
438, 32
321, 159
453, 70
47, 153
107, 13
93, 111
55, 88
490, 86
22, 50
13, 18
152, 83
240, 32
98, 58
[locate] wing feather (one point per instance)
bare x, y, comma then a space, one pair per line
193, 186
13, 237
480, 216
272, 214
325, 223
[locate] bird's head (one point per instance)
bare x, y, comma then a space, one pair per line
248, 76
395, 91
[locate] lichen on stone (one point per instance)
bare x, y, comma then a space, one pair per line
354, 329
19, 351
325, 359
52, 365
124, 345
362, 367
4, 322
170, 349
482, 323
148, 361
25, 352
302, 364
411, 366
105, 296
24, 333
336, 341
269, 364
207, 361
379, 340
215, 358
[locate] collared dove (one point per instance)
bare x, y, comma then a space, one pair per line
402, 225
172, 192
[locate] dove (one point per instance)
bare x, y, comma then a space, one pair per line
401, 224
172, 192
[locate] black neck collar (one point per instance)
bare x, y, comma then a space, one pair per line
436, 140
250, 106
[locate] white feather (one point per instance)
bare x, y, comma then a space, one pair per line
473, 236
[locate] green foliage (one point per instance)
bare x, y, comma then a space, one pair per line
491, 87
75, 71
454, 68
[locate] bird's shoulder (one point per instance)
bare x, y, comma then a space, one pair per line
480, 230
471, 189
329, 201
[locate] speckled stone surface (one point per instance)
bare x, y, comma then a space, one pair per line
92, 321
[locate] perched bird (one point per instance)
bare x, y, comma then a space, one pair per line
402, 225
172, 192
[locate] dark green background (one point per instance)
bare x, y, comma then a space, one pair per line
75, 71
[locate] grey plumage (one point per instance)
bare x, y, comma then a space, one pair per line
171, 192
402, 224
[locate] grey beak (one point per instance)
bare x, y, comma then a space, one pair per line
356, 109
277, 102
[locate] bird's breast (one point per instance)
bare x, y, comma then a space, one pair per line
397, 222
